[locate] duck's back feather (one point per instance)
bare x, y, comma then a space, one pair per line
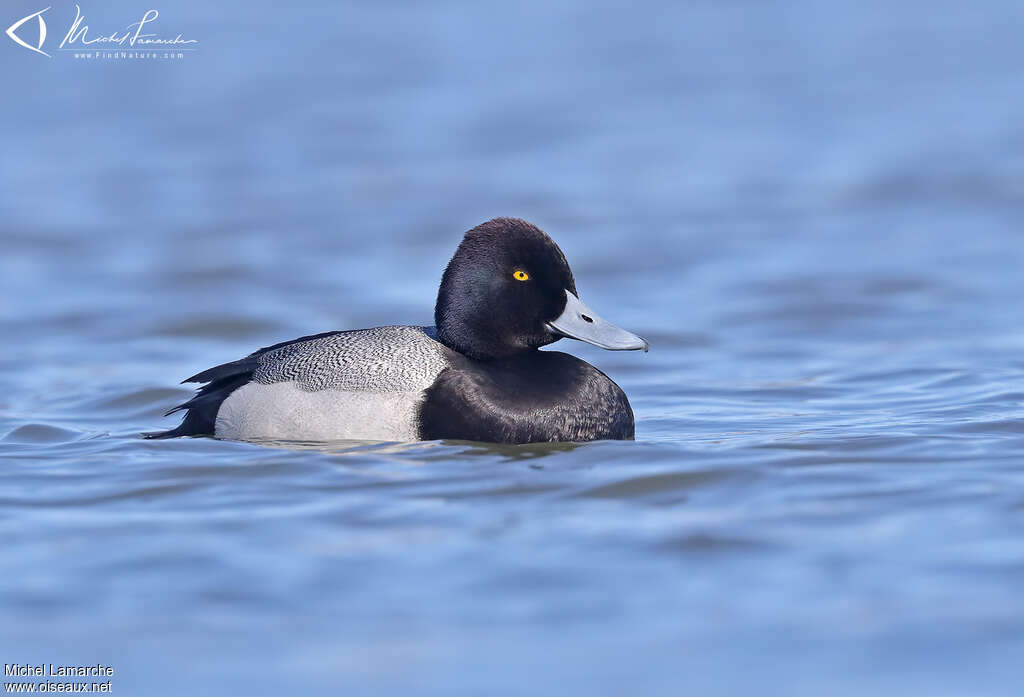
299, 389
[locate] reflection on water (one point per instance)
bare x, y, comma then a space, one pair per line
811, 212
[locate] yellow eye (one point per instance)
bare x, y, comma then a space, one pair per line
520, 275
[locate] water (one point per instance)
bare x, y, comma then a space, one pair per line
812, 210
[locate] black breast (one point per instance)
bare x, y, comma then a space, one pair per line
545, 396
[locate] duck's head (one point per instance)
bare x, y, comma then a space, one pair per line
509, 290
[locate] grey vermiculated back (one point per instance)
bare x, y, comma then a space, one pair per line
382, 359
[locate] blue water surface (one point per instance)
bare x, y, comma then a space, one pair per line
811, 209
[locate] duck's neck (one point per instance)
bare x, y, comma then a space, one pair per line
480, 349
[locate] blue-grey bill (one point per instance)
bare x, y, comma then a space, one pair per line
578, 321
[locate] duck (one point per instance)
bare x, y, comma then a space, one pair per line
477, 374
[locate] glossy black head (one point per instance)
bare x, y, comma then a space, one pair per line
506, 282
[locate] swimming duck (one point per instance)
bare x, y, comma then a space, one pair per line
475, 375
